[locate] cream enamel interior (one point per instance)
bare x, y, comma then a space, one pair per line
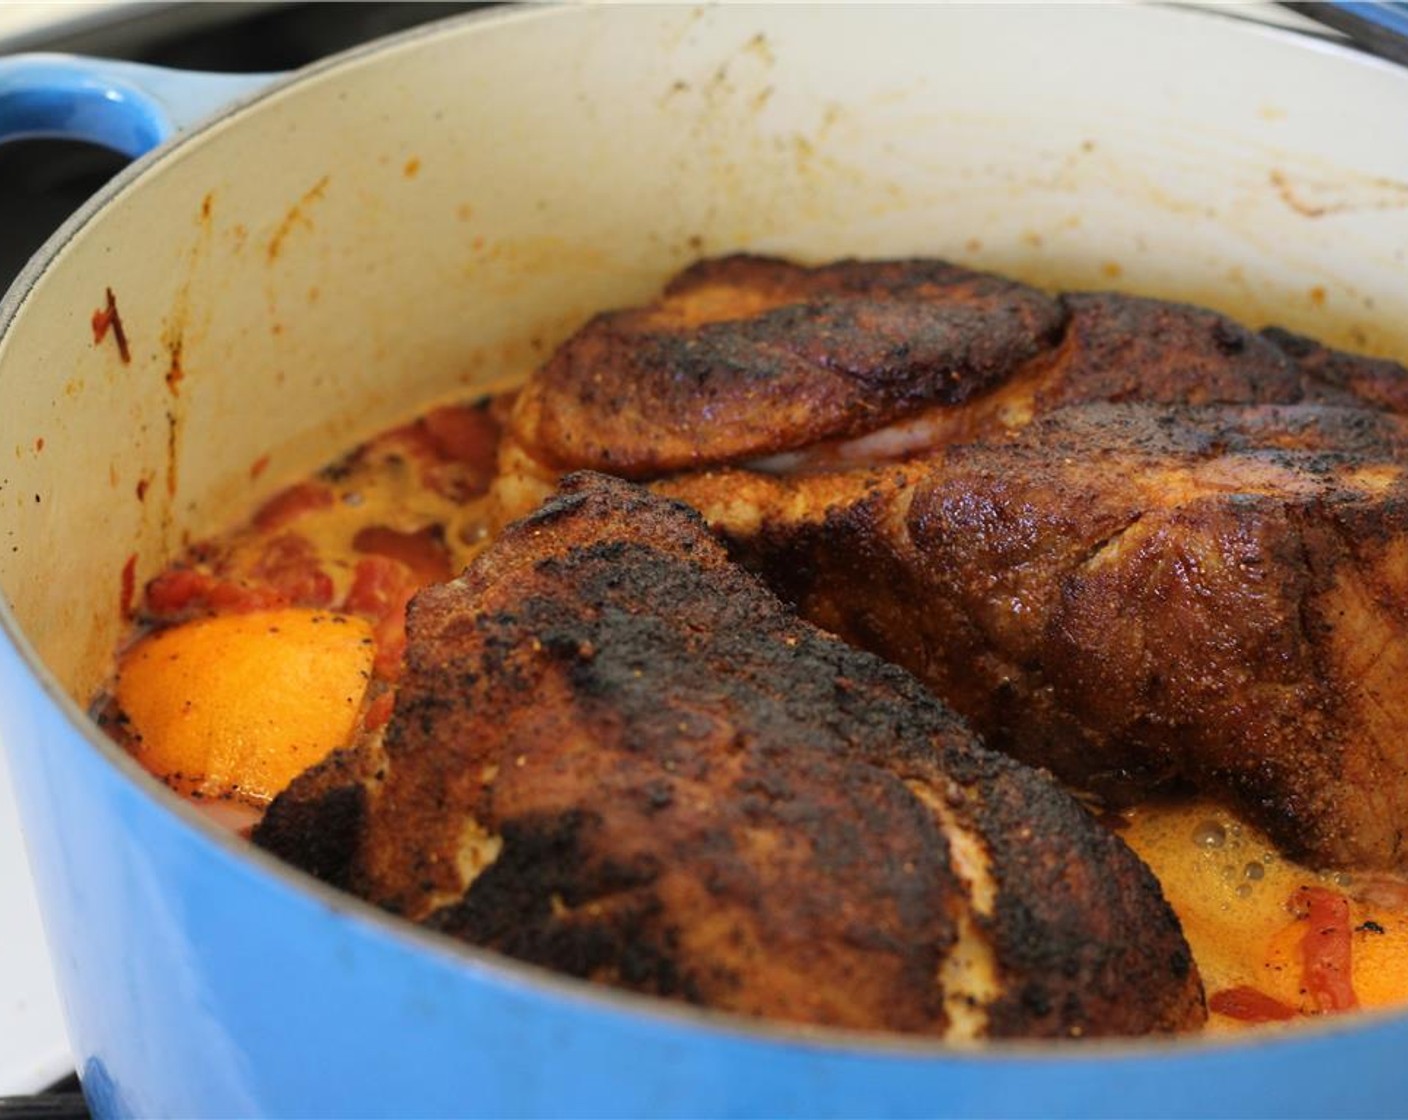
415, 222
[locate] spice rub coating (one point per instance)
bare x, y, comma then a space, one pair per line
1136, 597
616, 754
1210, 591
746, 356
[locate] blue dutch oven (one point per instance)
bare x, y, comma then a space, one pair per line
429, 216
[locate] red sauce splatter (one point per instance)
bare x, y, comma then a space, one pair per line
107, 318
175, 371
259, 466
142, 485
128, 596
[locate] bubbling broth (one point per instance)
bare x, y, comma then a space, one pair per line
257, 654
1273, 940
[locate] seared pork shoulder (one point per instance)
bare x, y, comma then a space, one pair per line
616, 754
749, 356
1130, 540
1134, 597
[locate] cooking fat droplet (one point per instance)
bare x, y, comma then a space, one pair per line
1210, 834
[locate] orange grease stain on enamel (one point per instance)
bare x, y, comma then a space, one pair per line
175, 374
128, 588
297, 216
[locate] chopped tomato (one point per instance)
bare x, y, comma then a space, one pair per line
465, 434
292, 503
381, 588
1326, 949
289, 564
455, 450
378, 712
128, 591
423, 551
1248, 1005
183, 591
287, 573
178, 589
455, 481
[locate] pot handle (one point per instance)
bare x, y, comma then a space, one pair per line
126, 106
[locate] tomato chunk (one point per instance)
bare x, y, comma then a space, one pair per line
379, 710
1326, 949
1249, 1005
381, 588
292, 503
465, 434
423, 551
289, 564
455, 449
179, 592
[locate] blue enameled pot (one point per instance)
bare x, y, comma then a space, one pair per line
429, 216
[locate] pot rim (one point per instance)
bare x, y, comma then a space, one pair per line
456, 954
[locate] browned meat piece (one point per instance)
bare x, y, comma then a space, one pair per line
1374, 381
1135, 596
753, 359
1123, 349
749, 356
615, 754
746, 357
1128, 600
318, 823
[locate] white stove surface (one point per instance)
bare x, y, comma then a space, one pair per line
34, 1049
